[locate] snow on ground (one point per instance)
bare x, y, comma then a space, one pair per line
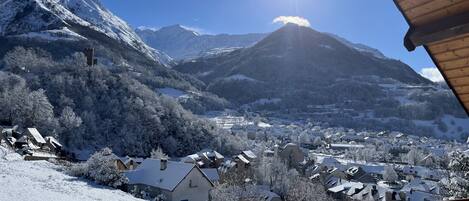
264, 101
455, 126
204, 73
41, 180
53, 35
263, 125
227, 121
172, 92
240, 77
326, 46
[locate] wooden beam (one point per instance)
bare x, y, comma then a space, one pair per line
453, 54
406, 5
442, 29
459, 63
462, 90
455, 89
465, 98
430, 7
457, 7
457, 73
450, 44
456, 82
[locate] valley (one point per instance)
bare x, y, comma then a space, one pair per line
92, 108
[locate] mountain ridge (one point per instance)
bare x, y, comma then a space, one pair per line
184, 44
70, 19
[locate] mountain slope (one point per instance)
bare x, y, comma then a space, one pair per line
117, 103
182, 43
296, 54
70, 20
299, 71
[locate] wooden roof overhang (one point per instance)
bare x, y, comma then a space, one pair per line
442, 28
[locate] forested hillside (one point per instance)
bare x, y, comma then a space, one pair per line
93, 107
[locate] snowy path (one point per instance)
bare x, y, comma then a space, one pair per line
41, 180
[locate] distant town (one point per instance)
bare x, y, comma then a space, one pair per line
346, 164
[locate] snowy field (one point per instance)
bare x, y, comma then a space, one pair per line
41, 180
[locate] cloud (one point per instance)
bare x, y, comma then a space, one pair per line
432, 74
292, 19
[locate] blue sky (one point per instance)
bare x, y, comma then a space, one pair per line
376, 23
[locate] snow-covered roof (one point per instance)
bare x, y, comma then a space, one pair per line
329, 161
216, 155
347, 146
290, 145
191, 158
211, 173
241, 157
36, 135
249, 154
53, 141
149, 173
346, 186
421, 185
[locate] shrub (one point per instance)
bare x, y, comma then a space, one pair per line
101, 168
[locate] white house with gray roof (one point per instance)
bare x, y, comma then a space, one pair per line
177, 181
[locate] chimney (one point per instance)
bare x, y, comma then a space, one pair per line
163, 164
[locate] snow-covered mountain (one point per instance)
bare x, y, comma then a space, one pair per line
303, 72
69, 20
182, 43
360, 47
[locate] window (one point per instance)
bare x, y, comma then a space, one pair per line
192, 184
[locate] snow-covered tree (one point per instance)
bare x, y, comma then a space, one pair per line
302, 190
390, 174
414, 156
458, 184
158, 154
101, 168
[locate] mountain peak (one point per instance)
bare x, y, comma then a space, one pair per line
40, 18
178, 29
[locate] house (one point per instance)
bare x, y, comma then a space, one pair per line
131, 163
357, 173
342, 147
292, 154
343, 190
120, 165
212, 174
241, 162
212, 158
249, 155
176, 181
53, 144
205, 159
370, 192
35, 137
420, 190
9, 135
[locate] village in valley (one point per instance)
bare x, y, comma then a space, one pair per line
94, 109
347, 164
